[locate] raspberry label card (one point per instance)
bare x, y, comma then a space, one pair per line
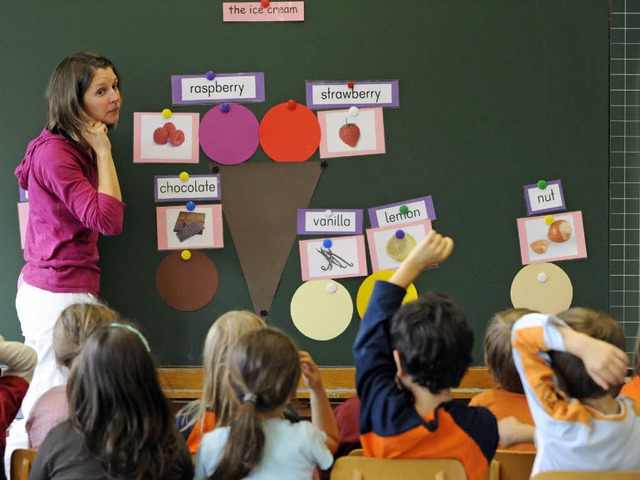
357, 131
217, 88
255, 12
400, 213
389, 246
333, 258
157, 139
348, 94
336, 222
552, 237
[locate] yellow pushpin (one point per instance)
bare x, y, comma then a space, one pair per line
186, 254
166, 113
184, 176
548, 219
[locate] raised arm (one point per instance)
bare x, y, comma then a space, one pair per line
96, 135
19, 358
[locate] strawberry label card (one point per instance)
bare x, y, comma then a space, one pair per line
165, 139
544, 197
264, 11
550, 238
179, 228
329, 95
356, 131
389, 246
333, 257
172, 188
216, 88
400, 213
336, 222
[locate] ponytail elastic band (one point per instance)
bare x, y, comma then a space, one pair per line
249, 397
134, 330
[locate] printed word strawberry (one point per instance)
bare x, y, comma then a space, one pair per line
349, 133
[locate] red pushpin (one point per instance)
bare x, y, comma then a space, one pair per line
264, 3
350, 85
291, 104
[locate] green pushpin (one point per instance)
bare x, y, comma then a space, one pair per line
542, 184
404, 209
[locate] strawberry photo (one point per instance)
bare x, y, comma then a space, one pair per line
357, 131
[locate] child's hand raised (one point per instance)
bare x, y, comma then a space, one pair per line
432, 250
310, 371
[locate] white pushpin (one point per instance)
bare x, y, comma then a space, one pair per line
542, 277
331, 288
353, 112
328, 213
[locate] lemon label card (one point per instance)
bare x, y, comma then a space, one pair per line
350, 93
256, 12
544, 197
390, 245
329, 221
216, 88
336, 257
550, 238
400, 213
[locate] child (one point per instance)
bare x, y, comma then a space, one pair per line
572, 367
73, 327
407, 359
509, 398
264, 370
632, 388
120, 424
20, 361
199, 417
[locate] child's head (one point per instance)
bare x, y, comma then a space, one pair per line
498, 352
264, 370
433, 340
117, 404
74, 325
636, 356
224, 333
572, 375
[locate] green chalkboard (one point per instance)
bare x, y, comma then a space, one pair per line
494, 95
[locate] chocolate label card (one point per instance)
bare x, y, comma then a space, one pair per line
337, 222
169, 188
255, 12
402, 212
322, 95
223, 87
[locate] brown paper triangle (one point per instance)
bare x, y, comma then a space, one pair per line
260, 202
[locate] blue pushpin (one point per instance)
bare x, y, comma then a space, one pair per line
210, 75
327, 243
399, 234
225, 107
191, 206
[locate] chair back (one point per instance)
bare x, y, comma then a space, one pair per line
511, 465
21, 461
552, 475
366, 468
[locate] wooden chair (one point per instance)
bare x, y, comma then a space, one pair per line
21, 461
552, 475
511, 465
353, 467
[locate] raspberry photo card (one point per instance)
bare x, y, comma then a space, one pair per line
157, 139
356, 131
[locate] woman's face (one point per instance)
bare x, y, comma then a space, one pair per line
102, 99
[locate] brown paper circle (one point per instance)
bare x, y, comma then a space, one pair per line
187, 285
551, 297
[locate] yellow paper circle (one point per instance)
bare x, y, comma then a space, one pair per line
319, 314
551, 296
366, 289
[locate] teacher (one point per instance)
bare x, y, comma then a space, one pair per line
74, 194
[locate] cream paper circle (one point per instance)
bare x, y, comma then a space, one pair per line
318, 313
551, 296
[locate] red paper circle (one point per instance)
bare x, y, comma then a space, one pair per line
187, 285
289, 135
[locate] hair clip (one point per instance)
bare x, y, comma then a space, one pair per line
249, 397
134, 330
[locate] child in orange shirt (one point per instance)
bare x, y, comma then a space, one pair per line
632, 387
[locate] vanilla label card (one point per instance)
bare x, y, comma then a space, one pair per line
333, 258
403, 212
255, 12
337, 222
322, 95
170, 188
223, 87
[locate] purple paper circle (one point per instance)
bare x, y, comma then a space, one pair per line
229, 138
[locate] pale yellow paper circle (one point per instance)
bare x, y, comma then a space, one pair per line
366, 289
544, 287
321, 309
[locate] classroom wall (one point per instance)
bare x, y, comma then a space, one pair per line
494, 95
